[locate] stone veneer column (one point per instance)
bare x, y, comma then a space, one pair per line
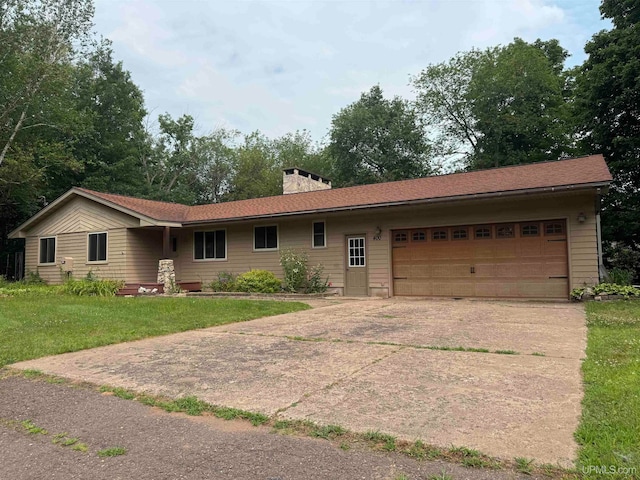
166, 274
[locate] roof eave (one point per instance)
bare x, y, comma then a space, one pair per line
603, 186
144, 219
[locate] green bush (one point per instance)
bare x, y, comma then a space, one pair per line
34, 278
95, 288
294, 267
298, 277
620, 276
258, 281
317, 282
606, 289
226, 282
617, 255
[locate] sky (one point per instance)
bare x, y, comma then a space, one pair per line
282, 66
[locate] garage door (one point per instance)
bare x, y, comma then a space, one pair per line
524, 259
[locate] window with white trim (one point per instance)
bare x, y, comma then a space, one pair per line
265, 238
47, 250
210, 245
319, 235
97, 251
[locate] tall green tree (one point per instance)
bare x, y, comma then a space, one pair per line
40, 42
112, 107
39, 39
375, 140
501, 106
257, 169
608, 96
517, 98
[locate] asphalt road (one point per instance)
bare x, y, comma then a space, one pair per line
173, 446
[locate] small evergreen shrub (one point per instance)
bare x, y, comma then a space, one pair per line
226, 282
258, 281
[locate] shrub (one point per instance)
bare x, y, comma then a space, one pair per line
34, 278
226, 282
620, 256
317, 283
96, 288
258, 281
606, 289
294, 267
298, 277
620, 276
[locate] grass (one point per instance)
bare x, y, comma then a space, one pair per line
609, 431
112, 452
33, 326
32, 428
524, 465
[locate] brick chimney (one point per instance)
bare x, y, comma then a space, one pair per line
295, 180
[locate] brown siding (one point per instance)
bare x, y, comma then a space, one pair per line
82, 215
74, 245
144, 249
296, 233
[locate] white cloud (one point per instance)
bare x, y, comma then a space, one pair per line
278, 66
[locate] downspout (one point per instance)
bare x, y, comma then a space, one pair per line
601, 270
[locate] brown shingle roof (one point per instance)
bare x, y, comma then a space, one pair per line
166, 211
576, 171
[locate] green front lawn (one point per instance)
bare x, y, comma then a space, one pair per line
609, 433
34, 326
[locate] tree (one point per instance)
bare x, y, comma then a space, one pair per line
257, 170
443, 100
169, 163
113, 112
516, 98
217, 156
376, 140
502, 106
608, 98
39, 39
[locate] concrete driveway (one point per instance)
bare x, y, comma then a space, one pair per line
371, 365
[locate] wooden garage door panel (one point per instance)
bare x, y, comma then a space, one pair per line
484, 265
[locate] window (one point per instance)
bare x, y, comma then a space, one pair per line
265, 238
438, 235
529, 230
174, 244
553, 228
482, 232
319, 235
400, 237
97, 247
210, 245
356, 252
460, 234
505, 231
418, 236
47, 250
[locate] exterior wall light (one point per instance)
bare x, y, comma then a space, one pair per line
582, 217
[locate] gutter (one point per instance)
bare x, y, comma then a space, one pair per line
601, 187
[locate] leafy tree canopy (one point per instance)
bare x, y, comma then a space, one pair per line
608, 98
375, 140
